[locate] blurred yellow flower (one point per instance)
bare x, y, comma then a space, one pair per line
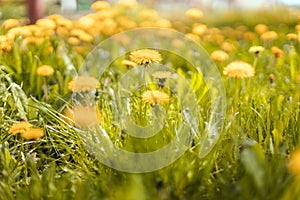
145, 56
46, 23
128, 63
256, 49
10, 23
85, 116
239, 69
292, 36
219, 56
148, 14
269, 36
83, 84
33, 133
194, 13
294, 162
100, 5
228, 46
163, 23
45, 70
193, 37
128, 3
19, 127
162, 74
199, 29
261, 28
73, 41
153, 97
277, 52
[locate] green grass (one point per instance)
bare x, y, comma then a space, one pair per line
250, 160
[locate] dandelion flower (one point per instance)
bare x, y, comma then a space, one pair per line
128, 63
32, 133
128, 3
148, 14
19, 127
10, 23
239, 69
73, 41
199, 29
86, 116
292, 37
153, 97
193, 37
45, 70
194, 13
269, 36
294, 162
162, 76
100, 5
277, 52
219, 56
145, 56
256, 50
261, 28
228, 46
83, 84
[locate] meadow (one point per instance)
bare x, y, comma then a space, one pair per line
62, 78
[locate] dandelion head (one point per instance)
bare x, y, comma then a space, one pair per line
128, 63
277, 52
239, 69
128, 3
33, 133
86, 116
219, 56
261, 28
10, 23
194, 13
19, 127
256, 50
153, 97
294, 162
145, 56
100, 5
269, 36
292, 37
45, 70
83, 84
162, 75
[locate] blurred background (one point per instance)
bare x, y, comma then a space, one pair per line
19, 8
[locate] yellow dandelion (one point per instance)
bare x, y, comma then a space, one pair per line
256, 50
45, 70
162, 75
292, 36
194, 13
10, 23
128, 3
73, 41
239, 69
83, 84
153, 97
219, 56
277, 52
100, 5
86, 116
33, 133
261, 28
294, 162
46, 23
269, 36
249, 35
297, 28
145, 56
128, 63
19, 127
148, 14
193, 37
163, 23
228, 46
199, 29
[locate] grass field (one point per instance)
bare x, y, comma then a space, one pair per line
47, 146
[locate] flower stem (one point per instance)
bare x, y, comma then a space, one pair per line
45, 88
